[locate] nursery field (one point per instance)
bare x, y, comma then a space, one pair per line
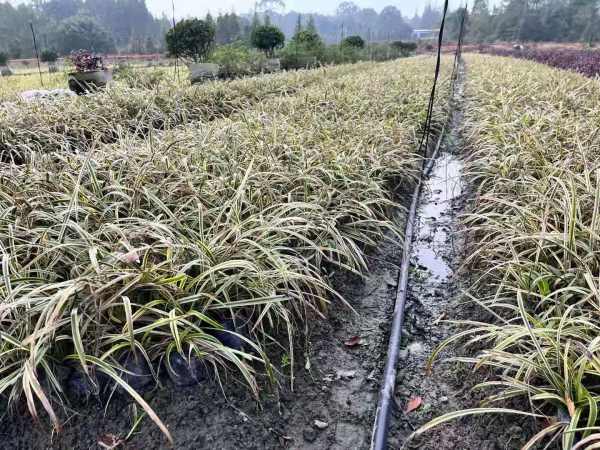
534, 135
583, 61
217, 265
526, 337
12, 86
182, 235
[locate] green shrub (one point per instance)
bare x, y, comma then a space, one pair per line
3, 59
83, 32
405, 48
191, 38
305, 50
308, 40
349, 54
383, 52
293, 56
354, 41
234, 60
48, 56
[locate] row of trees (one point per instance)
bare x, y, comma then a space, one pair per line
127, 25
195, 39
65, 25
532, 20
349, 19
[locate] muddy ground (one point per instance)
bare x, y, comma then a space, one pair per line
436, 297
336, 385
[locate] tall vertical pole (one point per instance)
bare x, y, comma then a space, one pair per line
177, 54
37, 55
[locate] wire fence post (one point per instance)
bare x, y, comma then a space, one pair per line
177, 54
37, 55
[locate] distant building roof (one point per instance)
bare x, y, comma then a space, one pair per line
421, 33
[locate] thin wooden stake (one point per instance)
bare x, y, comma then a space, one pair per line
177, 55
37, 55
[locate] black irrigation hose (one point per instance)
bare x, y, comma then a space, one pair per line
459, 44
424, 144
386, 394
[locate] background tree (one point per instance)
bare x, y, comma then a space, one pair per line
126, 21
298, 28
308, 40
404, 48
270, 5
210, 21
391, 25
15, 48
228, 28
48, 56
311, 26
131, 26
191, 38
267, 38
479, 22
431, 17
150, 46
354, 42
82, 32
453, 23
60, 9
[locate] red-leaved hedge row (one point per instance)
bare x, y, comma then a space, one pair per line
586, 62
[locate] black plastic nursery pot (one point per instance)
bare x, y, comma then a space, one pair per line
85, 82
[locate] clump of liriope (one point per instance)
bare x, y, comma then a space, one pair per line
146, 249
74, 124
533, 137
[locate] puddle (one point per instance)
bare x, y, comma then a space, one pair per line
442, 187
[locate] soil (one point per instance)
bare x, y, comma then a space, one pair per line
337, 370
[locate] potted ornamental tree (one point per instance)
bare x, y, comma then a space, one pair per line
193, 40
4, 70
90, 73
49, 57
268, 38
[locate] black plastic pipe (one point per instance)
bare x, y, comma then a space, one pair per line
386, 394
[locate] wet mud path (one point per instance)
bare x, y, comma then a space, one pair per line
436, 298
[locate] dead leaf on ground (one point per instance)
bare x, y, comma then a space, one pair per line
131, 257
413, 404
353, 341
110, 441
320, 424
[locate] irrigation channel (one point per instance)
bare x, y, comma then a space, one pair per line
434, 299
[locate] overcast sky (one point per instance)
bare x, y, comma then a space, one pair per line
185, 8
200, 7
